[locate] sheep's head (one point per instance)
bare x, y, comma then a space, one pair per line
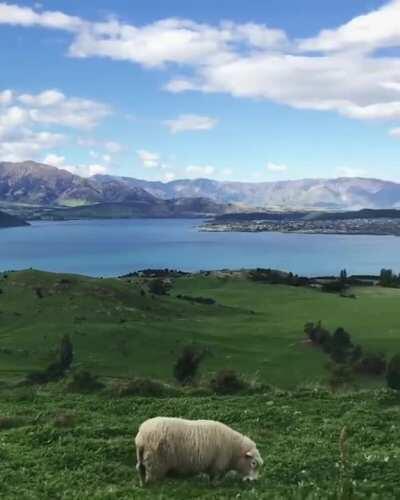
249, 464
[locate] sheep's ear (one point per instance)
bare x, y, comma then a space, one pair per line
249, 454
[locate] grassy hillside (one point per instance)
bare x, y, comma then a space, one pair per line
254, 328
7, 220
56, 445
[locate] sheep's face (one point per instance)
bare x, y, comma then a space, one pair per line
249, 465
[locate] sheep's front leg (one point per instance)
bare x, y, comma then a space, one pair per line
140, 467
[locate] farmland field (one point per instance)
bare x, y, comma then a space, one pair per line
254, 328
55, 444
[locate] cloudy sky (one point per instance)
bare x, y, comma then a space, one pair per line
234, 90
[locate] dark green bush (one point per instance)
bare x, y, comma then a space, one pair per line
143, 387
393, 373
187, 365
371, 364
159, 286
52, 373
227, 382
84, 382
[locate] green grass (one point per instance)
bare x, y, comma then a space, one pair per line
254, 328
56, 445
92, 457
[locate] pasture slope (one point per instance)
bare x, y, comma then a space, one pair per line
254, 328
60, 446
56, 445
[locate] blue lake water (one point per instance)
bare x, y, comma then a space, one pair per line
115, 247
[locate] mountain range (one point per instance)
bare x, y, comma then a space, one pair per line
36, 184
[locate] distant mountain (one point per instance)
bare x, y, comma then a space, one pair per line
37, 184
7, 220
183, 207
333, 194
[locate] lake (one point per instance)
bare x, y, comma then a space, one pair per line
115, 247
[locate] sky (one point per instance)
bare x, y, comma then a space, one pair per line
235, 90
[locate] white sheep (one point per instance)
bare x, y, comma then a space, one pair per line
188, 447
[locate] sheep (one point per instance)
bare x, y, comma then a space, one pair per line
189, 447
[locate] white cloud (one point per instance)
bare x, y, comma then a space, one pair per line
172, 40
192, 122
22, 117
169, 176
18, 141
395, 132
25, 16
53, 107
379, 28
6, 97
113, 147
200, 170
96, 169
276, 167
148, 159
27, 144
226, 172
350, 172
58, 161
54, 160
345, 75
85, 170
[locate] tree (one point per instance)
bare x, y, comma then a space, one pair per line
159, 287
340, 345
187, 365
388, 278
66, 352
393, 373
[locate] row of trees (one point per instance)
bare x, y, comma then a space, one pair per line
347, 357
389, 279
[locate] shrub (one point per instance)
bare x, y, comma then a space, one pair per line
143, 387
200, 300
187, 365
356, 354
84, 382
52, 373
340, 375
159, 287
372, 364
66, 352
318, 335
227, 382
393, 373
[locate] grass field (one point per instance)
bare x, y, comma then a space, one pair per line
297, 433
57, 445
255, 328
